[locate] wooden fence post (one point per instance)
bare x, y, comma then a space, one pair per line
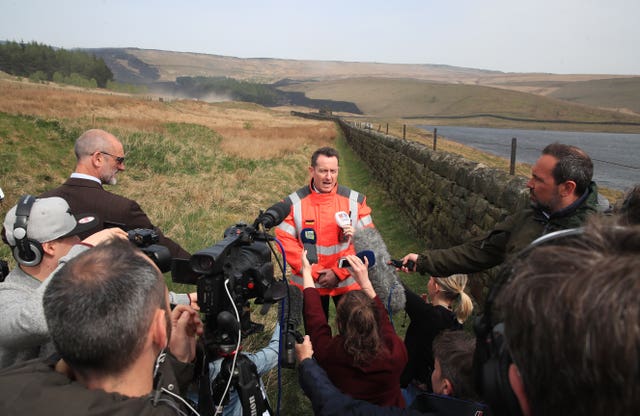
435, 138
512, 165
404, 132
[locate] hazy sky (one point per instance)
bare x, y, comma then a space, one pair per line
557, 36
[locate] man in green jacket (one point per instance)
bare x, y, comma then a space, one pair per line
562, 196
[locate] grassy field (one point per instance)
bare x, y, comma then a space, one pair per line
195, 168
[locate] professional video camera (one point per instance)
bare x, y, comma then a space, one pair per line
146, 239
229, 274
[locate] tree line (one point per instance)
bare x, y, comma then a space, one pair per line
41, 62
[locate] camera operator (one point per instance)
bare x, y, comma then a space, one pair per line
108, 316
42, 235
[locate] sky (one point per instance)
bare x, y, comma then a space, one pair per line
552, 36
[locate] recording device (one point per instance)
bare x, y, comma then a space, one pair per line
228, 274
368, 254
398, 264
146, 239
383, 276
308, 239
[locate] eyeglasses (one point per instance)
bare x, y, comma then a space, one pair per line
119, 159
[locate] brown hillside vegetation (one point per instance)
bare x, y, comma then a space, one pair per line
171, 64
415, 98
244, 127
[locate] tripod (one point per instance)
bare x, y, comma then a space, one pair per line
243, 377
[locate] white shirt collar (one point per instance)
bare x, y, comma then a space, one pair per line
85, 176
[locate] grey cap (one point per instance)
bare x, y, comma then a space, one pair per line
49, 219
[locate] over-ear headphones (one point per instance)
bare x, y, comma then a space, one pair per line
27, 252
491, 357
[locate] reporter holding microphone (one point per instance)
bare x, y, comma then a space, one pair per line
366, 358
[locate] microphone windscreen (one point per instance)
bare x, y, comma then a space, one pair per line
293, 307
275, 214
308, 239
369, 255
383, 276
308, 236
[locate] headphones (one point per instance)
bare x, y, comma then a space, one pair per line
491, 359
27, 252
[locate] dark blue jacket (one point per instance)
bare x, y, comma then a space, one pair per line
327, 400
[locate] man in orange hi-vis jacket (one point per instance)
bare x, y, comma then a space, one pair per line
322, 220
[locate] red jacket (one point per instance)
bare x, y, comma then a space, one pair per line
379, 381
310, 209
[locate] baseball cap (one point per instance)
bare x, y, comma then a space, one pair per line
50, 219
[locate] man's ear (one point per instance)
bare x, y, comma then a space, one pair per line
447, 387
515, 380
158, 330
567, 188
49, 247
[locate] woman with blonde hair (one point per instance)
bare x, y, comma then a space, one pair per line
366, 358
447, 307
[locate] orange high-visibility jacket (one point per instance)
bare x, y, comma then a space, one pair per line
310, 209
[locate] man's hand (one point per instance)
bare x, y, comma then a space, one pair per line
327, 278
304, 350
410, 257
193, 299
185, 327
105, 235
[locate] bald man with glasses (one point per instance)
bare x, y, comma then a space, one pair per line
100, 157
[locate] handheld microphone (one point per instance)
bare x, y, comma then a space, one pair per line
273, 215
308, 239
293, 319
368, 254
383, 276
343, 219
398, 264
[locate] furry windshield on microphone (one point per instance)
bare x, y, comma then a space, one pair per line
383, 276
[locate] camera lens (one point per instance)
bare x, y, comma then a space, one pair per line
204, 264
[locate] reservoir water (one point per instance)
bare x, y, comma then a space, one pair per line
616, 156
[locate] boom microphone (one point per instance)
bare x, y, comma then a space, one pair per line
308, 239
383, 276
273, 215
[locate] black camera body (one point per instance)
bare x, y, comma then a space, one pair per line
229, 274
146, 239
